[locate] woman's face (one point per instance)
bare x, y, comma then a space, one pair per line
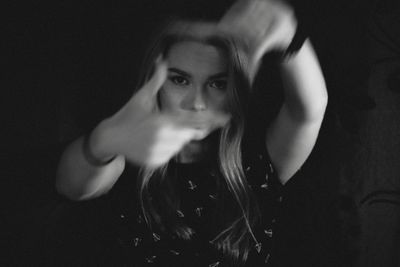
197, 82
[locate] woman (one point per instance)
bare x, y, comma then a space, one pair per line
203, 186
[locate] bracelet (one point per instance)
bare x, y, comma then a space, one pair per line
297, 42
88, 154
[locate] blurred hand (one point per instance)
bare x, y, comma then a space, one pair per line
144, 134
261, 25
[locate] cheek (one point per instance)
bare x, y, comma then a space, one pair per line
220, 102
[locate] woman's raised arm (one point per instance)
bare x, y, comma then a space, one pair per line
292, 135
270, 25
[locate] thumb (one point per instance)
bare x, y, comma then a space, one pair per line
146, 95
159, 76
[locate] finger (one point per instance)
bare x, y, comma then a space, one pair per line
184, 136
278, 35
181, 136
158, 78
248, 22
210, 121
234, 12
269, 38
244, 14
174, 138
170, 142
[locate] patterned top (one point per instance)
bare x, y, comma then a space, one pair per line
140, 246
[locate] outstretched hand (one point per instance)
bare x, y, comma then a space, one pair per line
146, 135
261, 25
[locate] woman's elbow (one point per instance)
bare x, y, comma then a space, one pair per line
313, 111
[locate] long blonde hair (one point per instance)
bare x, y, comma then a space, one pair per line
236, 237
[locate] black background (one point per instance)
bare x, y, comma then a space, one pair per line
67, 65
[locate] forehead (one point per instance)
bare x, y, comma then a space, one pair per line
197, 57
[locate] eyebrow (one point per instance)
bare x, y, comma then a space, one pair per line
186, 74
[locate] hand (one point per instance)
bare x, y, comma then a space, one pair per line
261, 25
144, 134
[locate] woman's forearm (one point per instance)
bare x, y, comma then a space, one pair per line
304, 85
77, 179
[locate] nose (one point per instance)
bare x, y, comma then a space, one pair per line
195, 99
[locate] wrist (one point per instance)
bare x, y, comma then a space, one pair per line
297, 41
94, 150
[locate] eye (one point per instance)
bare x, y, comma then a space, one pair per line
179, 80
218, 84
